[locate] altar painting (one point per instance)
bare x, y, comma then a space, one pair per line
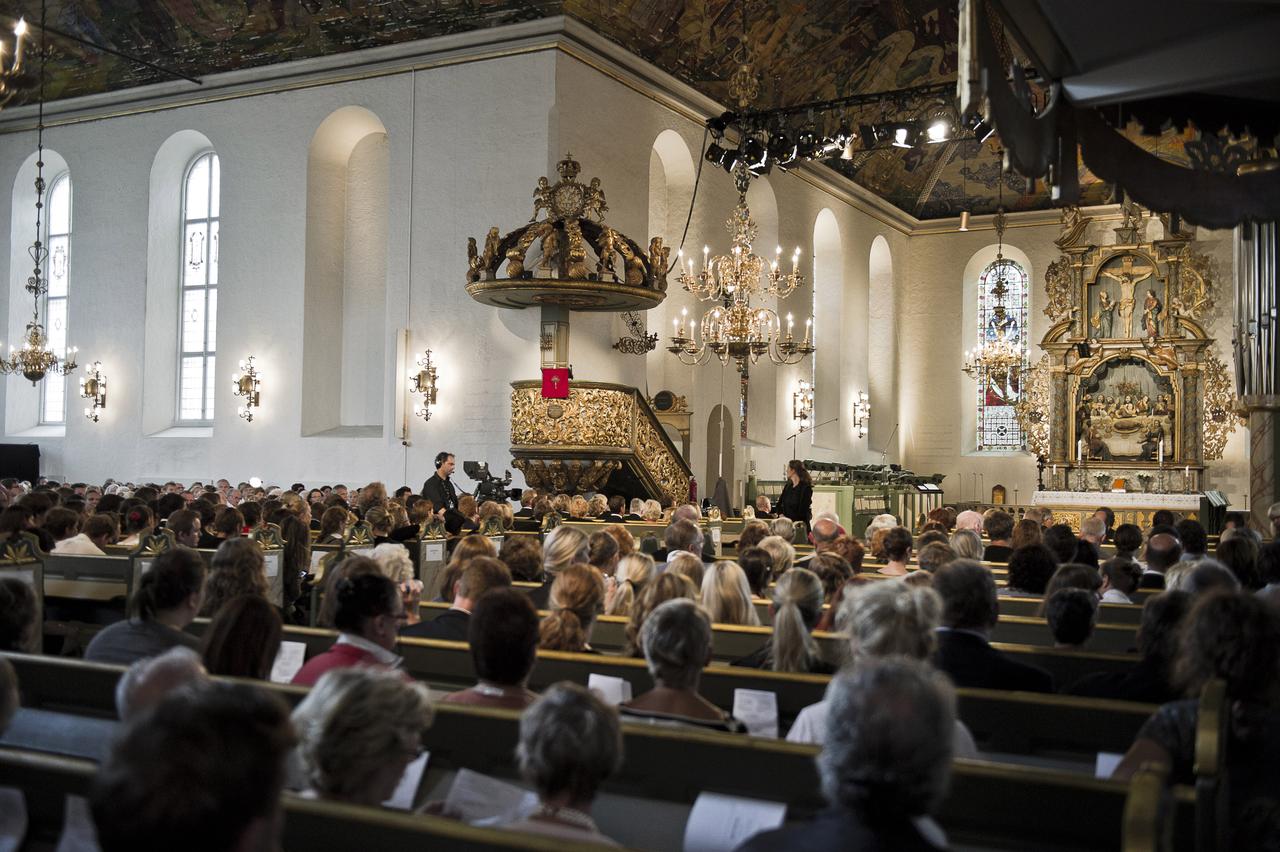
1124, 409
1127, 300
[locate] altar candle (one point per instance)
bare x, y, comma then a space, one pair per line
1055, 471
1079, 450
1162, 452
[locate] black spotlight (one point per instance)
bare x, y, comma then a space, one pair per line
782, 150
982, 129
807, 144
715, 154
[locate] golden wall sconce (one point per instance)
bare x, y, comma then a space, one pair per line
862, 414
246, 384
93, 387
802, 405
424, 382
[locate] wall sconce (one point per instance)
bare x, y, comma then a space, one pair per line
862, 414
245, 384
802, 405
424, 382
94, 387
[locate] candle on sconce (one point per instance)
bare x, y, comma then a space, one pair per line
790, 323
19, 31
706, 257
808, 329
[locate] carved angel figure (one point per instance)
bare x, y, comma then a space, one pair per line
473, 260
593, 206
607, 249
658, 254
541, 198
490, 247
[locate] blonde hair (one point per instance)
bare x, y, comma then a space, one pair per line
665, 587
578, 506
726, 595
598, 505
561, 503
353, 723
378, 519
577, 597
634, 571
564, 546
797, 606
626, 541
472, 545
652, 510
687, 565
890, 618
781, 554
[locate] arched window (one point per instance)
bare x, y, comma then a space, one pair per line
57, 239
199, 280
1003, 282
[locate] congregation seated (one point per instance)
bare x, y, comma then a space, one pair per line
570, 744
1026, 532
1120, 576
202, 770
237, 568
883, 620
576, 600
479, 575
897, 545
1072, 575
358, 728
18, 611
687, 565
146, 682
603, 553
999, 528
1070, 613
228, 523
522, 554
969, 613
1151, 680
503, 634
1163, 551
781, 553
243, 638
563, 546
884, 765
753, 532
1062, 542
1194, 539
664, 587
676, 638
1030, 570
726, 595
167, 599
634, 571
967, 543
795, 609
368, 610
1239, 553
138, 522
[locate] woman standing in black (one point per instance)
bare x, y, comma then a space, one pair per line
796, 501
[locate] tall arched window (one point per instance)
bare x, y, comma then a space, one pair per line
57, 239
199, 277
1002, 282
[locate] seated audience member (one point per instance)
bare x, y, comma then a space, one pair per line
1239, 553
1127, 539
613, 508
688, 565
138, 522
897, 551
1093, 530
503, 634
764, 507
576, 600
603, 553
883, 620
652, 513
1030, 569
166, 600
18, 627
634, 571
726, 595
783, 528
757, 564
622, 537
64, 526
966, 543
1070, 613
237, 568
681, 535
333, 525
1163, 518
753, 532
999, 528
834, 572
243, 639
351, 566
969, 520
1073, 575
570, 743
850, 550
932, 535
884, 765
1108, 518
1026, 532
358, 729
825, 531
367, 612
1204, 576
479, 576
796, 609
969, 612
148, 680
781, 553
522, 554
662, 588
1062, 542
202, 770
1162, 553
1150, 681
184, 524
933, 556
1235, 638
394, 562
563, 546
635, 510
1120, 577
227, 524
1194, 539
676, 638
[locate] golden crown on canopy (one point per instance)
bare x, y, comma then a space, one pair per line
569, 256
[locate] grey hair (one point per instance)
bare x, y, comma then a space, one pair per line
676, 638
781, 553
150, 678
1241, 532
1210, 575
637, 505
784, 528
885, 521
393, 561
570, 742
1093, 526
888, 748
890, 618
564, 546
967, 544
353, 723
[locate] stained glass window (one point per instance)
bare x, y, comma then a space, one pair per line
997, 394
197, 329
57, 239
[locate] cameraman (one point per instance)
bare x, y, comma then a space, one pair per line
440, 491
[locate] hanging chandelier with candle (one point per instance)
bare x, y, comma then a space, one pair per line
736, 329
999, 355
36, 359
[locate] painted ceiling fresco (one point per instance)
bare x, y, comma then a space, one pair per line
803, 51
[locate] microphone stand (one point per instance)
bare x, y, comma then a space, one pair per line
802, 430
884, 455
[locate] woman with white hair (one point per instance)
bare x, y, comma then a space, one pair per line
676, 638
967, 544
879, 522
884, 619
570, 743
358, 729
726, 595
780, 552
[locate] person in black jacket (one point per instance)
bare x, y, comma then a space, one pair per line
440, 491
969, 611
796, 501
482, 574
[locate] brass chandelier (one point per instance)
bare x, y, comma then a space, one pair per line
1000, 358
36, 359
735, 329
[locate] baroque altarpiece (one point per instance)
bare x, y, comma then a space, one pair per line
1132, 392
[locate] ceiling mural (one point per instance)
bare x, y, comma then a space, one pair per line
803, 51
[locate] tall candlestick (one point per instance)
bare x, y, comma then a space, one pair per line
1080, 451
1162, 452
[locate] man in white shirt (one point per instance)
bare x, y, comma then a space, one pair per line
98, 532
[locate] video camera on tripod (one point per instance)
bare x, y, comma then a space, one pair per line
490, 487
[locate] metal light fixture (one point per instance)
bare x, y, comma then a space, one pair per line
246, 384
802, 405
424, 382
36, 359
1000, 357
93, 387
862, 414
